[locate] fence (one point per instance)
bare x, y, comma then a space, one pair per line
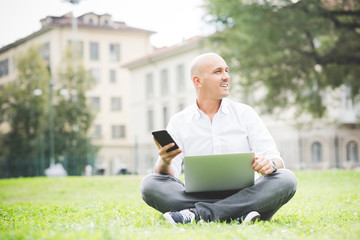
35, 166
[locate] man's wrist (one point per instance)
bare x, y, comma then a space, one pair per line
165, 163
273, 164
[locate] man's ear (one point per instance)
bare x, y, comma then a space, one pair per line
196, 81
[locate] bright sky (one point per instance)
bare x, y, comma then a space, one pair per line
172, 20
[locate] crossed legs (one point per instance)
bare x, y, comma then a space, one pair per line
269, 193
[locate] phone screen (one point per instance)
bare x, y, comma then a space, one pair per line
164, 138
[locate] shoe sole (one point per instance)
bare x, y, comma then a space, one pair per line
252, 217
169, 219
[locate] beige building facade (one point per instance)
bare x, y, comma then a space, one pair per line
104, 45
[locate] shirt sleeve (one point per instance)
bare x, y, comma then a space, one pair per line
260, 140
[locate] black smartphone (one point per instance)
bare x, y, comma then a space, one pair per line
164, 138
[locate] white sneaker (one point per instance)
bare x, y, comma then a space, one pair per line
184, 217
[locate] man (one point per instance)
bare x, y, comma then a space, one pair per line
217, 125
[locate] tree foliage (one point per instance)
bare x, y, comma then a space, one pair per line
25, 111
27, 138
297, 49
73, 116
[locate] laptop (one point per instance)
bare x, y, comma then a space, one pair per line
218, 172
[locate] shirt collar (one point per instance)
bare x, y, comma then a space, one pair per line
224, 108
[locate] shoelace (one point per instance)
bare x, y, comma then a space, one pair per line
187, 216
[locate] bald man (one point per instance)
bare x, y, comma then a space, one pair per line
217, 125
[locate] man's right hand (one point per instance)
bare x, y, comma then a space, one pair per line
166, 157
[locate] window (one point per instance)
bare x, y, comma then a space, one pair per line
118, 131
352, 152
45, 52
164, 82
165, 116
4, 67
95, 73
97, 132
114, 52
115, 104
113, 76
95, 102
149, 86
316, 152
180, 77
94, 51
150, 120
77, 48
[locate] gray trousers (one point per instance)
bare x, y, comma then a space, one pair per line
269, 193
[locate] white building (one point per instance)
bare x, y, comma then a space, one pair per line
104, 45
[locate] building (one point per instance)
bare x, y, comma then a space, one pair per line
163, 87
104, 45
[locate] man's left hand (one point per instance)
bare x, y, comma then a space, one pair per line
262, 165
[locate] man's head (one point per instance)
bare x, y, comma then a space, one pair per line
209, 73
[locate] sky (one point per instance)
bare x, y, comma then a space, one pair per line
172, 20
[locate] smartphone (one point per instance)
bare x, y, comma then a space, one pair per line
164, 138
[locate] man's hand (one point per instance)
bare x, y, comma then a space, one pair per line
166, 157
262, 165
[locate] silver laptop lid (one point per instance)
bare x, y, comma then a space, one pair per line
218, 172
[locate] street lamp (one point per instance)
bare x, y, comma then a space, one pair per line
54, 170
74, 26
57, 170
37, 92
51, 124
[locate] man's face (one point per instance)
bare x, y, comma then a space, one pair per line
214, 78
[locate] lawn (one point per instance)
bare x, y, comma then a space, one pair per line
326, 206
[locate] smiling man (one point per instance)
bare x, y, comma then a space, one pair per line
217, 125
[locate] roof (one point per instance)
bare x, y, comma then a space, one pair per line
66, 20
22, 40
161, 53
51, 22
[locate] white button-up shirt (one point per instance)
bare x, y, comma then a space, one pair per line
236, 128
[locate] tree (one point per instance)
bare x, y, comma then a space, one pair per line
298, 50
26, 103
73, 116
26, 112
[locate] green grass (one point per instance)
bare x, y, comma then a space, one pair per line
326, 206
